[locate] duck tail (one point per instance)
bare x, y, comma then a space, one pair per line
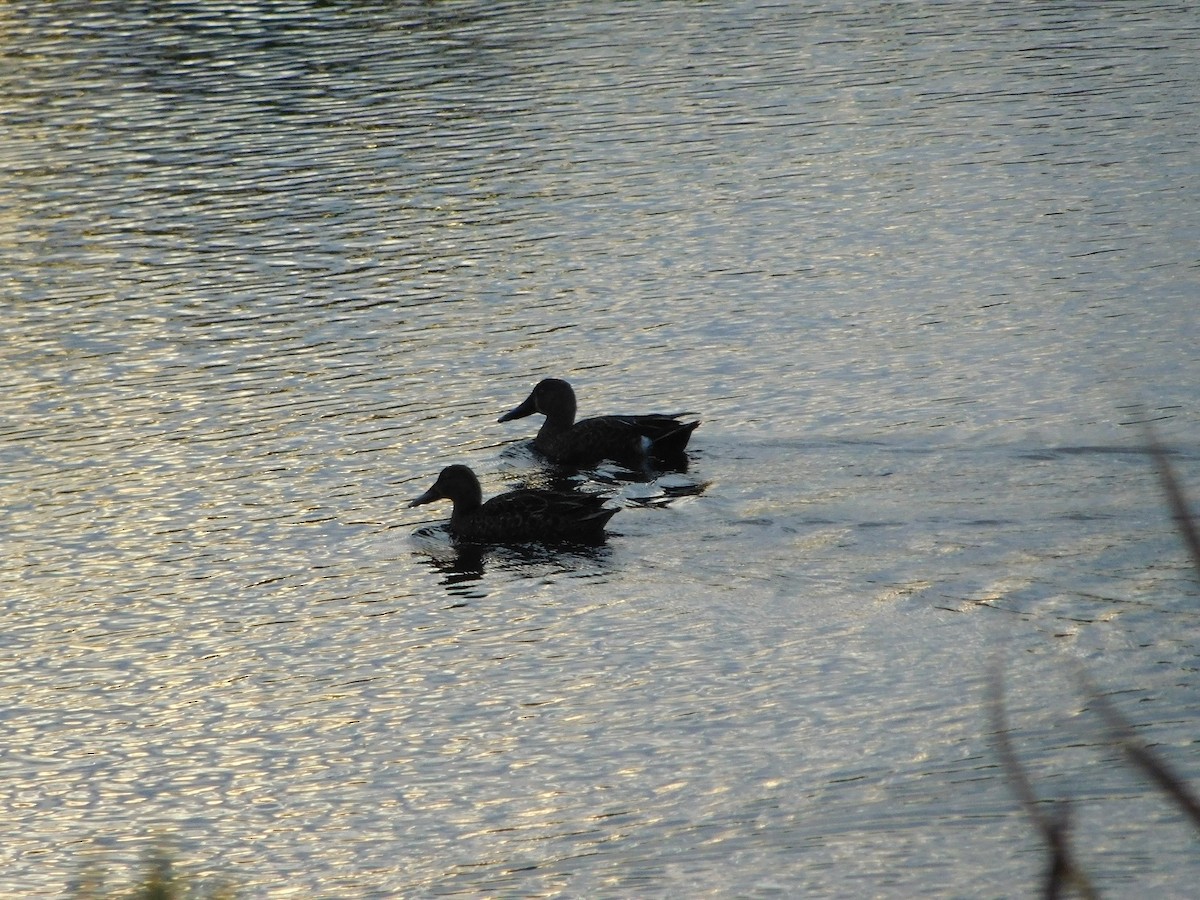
674, 440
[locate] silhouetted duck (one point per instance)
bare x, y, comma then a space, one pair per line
518, 516
625, 439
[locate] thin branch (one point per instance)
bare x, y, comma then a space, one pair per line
1175, 496
1140, 754
1062, 871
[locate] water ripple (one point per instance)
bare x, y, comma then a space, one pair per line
269, 267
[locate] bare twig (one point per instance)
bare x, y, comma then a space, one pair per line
1062, 873
1175, 496
1140, 754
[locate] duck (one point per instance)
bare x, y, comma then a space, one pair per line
519, 516
624, 439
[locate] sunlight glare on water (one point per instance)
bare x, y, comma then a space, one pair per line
921, 271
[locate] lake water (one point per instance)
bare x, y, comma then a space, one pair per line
921, 269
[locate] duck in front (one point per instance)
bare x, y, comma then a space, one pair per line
518, 516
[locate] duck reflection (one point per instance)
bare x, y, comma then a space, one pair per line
669, 484
461, 566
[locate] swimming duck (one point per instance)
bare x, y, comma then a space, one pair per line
624, 439
518, 516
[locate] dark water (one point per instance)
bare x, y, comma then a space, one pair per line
922, 271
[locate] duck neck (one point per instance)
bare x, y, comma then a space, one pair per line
467, 502
561, 417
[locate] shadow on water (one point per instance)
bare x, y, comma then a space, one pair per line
462, 566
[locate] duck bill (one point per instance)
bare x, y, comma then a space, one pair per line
428, 497
528, 408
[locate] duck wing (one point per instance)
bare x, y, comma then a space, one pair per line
661, 429
625, 439
533, 504
654, 434
539, 515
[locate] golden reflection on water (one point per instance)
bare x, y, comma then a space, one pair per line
265, 278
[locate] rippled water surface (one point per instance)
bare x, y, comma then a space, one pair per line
922, 270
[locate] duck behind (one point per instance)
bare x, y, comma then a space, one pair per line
517, 516
624, 439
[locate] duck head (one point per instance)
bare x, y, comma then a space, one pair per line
553, 398
455, 483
